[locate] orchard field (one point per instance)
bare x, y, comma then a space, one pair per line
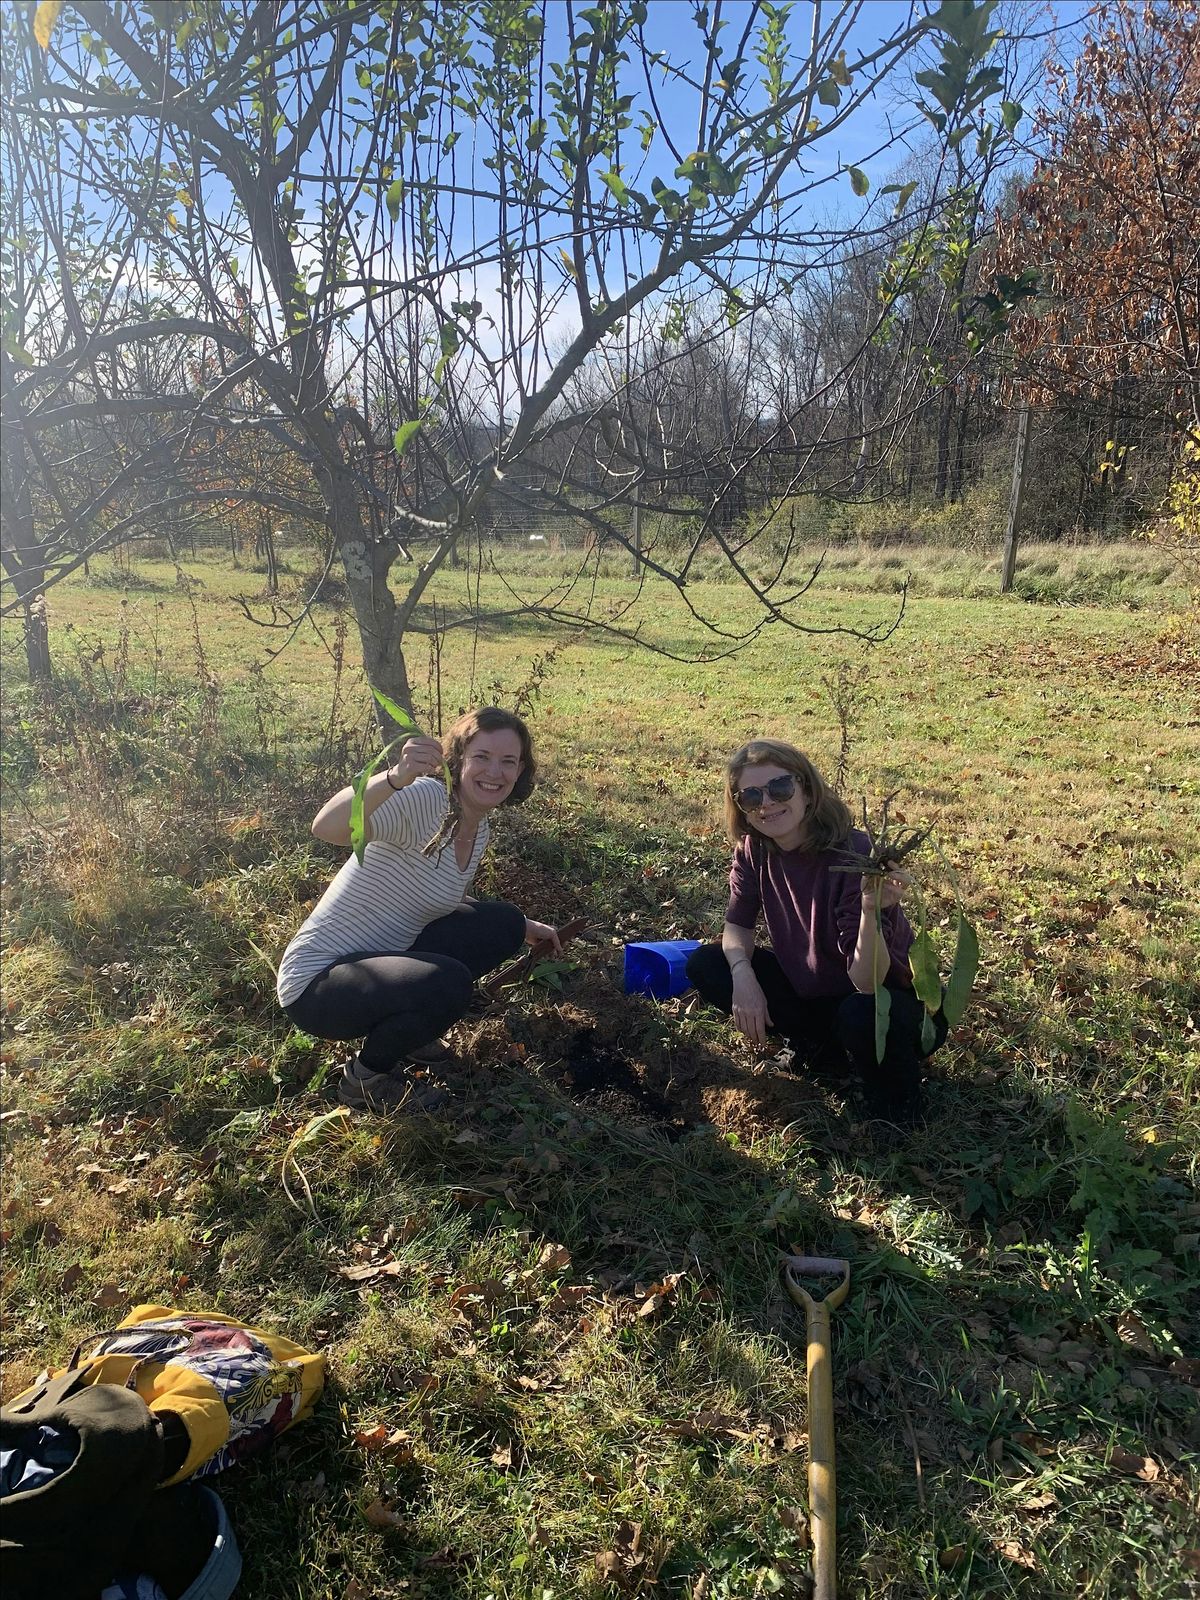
561, 1360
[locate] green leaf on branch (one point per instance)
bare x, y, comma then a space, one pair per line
903, 192
962, 973
405, 432
393, 197
617, 185
448, 340
1011, 113
828, 93
859, 181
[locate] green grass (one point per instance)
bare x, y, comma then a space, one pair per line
1025, 1281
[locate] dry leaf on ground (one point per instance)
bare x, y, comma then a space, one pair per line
1018, 1553
1132, 1465
382, 1514
1132, 1331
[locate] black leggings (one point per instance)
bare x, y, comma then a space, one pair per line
829, 1032
403, 1001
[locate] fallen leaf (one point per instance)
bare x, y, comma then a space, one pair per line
355, 1591
628, 1541
1133, 1466
108, 1295
393, 1443
951, 1557
1012, 1551
609, 1565
706, 1424
794, 1519
568, 1297
367, 1271
381, 1514
502, 1456
72, 1276
780, 1436
555, 1258
1132, 1331
1038, 1502
652, 1305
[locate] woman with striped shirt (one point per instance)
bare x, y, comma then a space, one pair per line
395, 945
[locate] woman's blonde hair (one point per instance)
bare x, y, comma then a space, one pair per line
827, 821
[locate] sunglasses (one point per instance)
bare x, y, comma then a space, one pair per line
752, 798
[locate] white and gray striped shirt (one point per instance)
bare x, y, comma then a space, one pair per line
382, 905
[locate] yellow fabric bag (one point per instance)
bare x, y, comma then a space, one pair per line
235, 1388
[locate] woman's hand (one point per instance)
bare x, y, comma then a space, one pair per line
536, 932
420, 757
887, 890
750, 1014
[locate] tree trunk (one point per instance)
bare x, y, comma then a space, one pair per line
365, 563
960, 450
941, 476
37, 642
24, 556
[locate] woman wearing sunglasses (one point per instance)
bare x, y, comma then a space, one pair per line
815, 985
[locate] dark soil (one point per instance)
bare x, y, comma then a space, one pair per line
599, 1077
611, 1054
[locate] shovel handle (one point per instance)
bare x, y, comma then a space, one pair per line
822, 1481
822, 1469
515, 969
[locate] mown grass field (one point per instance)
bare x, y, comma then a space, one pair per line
561, 1361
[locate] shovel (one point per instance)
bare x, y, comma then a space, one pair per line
516, 970
822, 1492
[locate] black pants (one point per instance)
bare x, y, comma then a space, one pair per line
830, 1033
403, 1001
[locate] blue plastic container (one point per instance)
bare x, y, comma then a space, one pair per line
659, 970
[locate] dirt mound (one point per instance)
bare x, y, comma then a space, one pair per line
611, 1054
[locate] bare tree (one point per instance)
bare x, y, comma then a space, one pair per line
398, 235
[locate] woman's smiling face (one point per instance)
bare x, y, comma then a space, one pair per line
491, 765
780, 820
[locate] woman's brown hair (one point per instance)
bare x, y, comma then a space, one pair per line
491, 719
827, 821
485, 719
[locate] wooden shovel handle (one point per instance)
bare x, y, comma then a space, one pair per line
536, 952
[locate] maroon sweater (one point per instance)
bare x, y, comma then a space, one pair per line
812, 914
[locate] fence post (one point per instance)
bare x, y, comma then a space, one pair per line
1008, 566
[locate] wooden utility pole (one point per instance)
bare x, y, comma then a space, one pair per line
1008, 567
635, 536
